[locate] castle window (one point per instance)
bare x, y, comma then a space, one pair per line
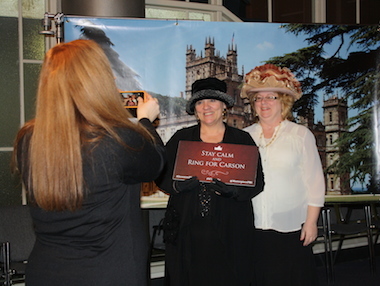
331, 139
331, 183
330, 116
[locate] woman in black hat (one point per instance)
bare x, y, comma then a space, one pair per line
208, 226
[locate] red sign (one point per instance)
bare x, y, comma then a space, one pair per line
233, 164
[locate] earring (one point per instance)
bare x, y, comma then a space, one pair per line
224, 113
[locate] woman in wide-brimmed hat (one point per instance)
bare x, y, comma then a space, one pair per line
286, 212
208, 226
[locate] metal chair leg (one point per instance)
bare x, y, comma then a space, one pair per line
325, 242
330, 249
367, 211
7, 269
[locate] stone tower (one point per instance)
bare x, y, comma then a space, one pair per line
212, 64
335, 117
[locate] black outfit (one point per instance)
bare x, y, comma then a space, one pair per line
104, 242
286, 257
208, 236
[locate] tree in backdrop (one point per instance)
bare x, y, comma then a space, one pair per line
354, 70
170, 106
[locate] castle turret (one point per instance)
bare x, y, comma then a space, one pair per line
232, 59
209, 48
190, 54
335, 117
212, 64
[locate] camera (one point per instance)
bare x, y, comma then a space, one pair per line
130, 99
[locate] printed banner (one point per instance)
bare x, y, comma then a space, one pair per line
338, 67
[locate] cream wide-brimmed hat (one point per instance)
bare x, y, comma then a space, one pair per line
269, 77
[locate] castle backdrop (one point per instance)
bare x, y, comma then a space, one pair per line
166, 57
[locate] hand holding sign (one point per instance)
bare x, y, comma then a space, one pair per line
186, 185
222, 189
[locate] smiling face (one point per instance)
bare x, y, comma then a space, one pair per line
268, 106
210, 111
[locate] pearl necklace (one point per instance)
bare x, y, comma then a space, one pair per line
272, 139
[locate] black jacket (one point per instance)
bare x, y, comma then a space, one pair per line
229, 224
105, 242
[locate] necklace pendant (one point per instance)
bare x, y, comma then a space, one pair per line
271, 140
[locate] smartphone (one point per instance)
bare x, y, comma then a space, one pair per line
130, 100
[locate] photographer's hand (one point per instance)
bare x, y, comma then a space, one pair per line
148, 108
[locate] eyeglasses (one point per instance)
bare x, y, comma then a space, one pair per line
265, 98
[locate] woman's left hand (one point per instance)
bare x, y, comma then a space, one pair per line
221, 189
309, 233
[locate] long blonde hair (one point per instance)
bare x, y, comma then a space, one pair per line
77, 103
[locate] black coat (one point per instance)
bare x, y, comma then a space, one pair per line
215, 250
105, 242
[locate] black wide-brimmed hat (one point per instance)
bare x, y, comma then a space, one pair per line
208, 88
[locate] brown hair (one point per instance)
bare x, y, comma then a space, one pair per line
77, 103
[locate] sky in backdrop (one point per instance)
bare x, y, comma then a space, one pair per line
156, 49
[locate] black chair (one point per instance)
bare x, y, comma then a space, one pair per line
323, 237
17, 238
348, 227
157, 245
376, 227
376, 221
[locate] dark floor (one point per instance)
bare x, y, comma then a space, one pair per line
352, 268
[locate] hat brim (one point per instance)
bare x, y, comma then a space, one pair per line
248, 89
208, 94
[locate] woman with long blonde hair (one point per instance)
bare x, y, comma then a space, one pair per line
82, 160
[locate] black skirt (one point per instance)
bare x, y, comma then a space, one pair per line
281, 259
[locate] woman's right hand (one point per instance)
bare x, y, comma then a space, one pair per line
186, 185
148, 108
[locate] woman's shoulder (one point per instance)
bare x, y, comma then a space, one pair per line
235, 130
185, 133
295, 125
187, 129
236, 135
297, 129
252, 128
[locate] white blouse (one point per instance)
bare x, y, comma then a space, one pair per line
293, 177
